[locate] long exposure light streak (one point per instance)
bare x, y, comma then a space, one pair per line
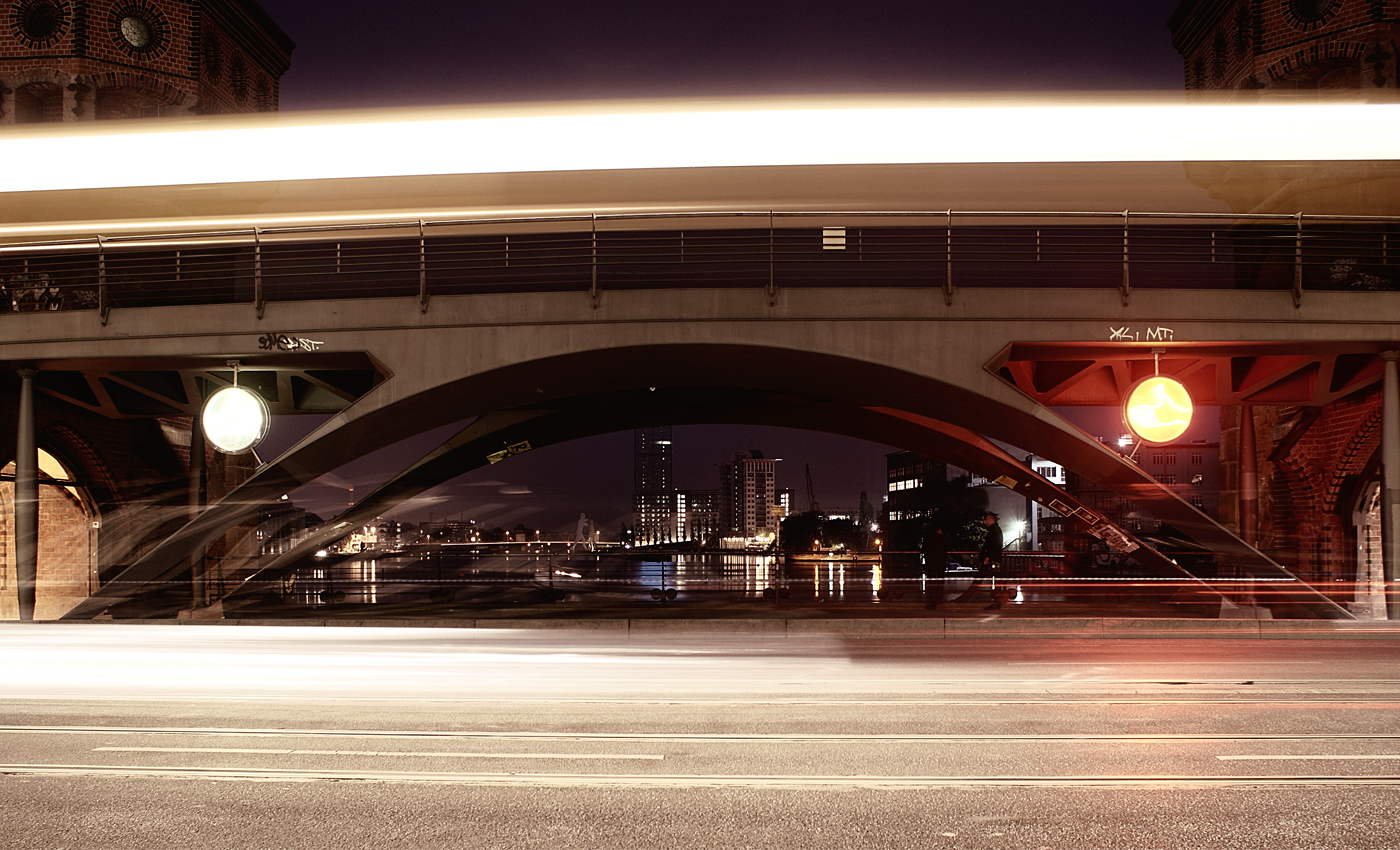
684, 135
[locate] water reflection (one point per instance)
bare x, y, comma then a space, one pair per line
474, 573
481, 577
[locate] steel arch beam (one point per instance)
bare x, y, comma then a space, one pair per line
918, 400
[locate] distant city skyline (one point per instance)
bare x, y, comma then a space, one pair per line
548, 487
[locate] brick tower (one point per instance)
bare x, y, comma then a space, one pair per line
1317, 468
1245, 49
80, 60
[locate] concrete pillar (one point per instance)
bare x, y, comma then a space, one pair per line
1390, 478
1249, 478
26, 498
197, 497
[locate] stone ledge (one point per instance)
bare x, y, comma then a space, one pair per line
894, 628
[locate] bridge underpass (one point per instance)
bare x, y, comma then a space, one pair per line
378, 418
760, 309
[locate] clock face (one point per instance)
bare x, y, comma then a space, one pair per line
136, 32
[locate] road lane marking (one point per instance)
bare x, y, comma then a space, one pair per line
376, 753
680, 781
1382, 756
1169, 695
1318, 696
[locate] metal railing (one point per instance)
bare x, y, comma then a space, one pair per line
942, 250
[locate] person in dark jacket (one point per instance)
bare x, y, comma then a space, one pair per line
935, 549
988, 559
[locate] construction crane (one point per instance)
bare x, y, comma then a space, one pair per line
811, 494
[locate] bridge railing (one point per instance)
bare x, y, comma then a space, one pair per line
942, 250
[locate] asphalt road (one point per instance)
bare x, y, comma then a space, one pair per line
157, 736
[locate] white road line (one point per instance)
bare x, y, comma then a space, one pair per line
1379, 757
1169, 695
375, 753
663, 736
679, 781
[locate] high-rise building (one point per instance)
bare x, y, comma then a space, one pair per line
697, 515
748, 494
907, 477
653, 493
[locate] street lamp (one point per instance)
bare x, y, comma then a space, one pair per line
235, 419
1158, 410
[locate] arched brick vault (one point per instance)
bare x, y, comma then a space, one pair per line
161, 92
1316, 59
79, 456
41, 75
124, 465
389, 414
1316, 481
158, 90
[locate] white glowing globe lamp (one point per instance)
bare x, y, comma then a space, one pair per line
1158, 410
235, 420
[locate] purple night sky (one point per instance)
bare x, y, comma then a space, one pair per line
356, 54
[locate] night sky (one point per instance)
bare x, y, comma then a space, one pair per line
355, 54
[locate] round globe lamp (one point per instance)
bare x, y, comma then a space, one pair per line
1158, 410
235, 420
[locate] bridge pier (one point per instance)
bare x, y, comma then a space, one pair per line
1390, 481
1248, 486
196, 502
26, 498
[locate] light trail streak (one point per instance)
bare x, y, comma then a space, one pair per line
684, 135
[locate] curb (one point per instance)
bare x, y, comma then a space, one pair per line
922, 628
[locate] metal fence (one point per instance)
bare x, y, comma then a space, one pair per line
939, 250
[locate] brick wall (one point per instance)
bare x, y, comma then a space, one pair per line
204, 56
1316, 486
66, 553
1251, 46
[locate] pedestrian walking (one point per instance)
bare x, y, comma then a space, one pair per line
988, 561
935, 549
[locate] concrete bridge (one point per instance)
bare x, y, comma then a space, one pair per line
895, 364
930, 330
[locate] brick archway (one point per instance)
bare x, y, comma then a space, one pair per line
126, 94
1316, 486
1309, 68
67, 542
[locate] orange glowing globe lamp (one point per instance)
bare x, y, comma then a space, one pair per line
1158, 410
